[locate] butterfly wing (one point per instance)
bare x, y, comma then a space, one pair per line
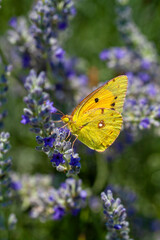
110, 95
99, 128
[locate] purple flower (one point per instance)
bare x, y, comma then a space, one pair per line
50, 106
131, 101
59, 212
130, 76
117, 226
144, 76
51, 198
145, 123
145, 64
83, 79
73, 11
59, 53
119, 52
104, 55
25, 119
13, 22
62, 25
158, 113
57, 158
63, 185
75, 162
152, 91
26, 60
48, 141
143, 101
83, 194
16, 185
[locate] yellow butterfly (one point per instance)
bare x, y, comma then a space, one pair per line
97, 120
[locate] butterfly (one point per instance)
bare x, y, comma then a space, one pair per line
97, 119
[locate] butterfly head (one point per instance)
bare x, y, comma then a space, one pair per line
66, 118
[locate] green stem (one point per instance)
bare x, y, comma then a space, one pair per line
102, 173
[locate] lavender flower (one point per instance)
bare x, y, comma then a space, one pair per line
48, 17
47, 203
4, 73
142, 100
115, 213
6, 219
37, 46
5, 164
139, 61
131, 35
58, 213
39, 115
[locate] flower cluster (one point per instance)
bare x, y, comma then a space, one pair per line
47, 203
131, 35
7, 220
48, 18
5, 164
39, 115
3, 90
127, 196
37, 46
138, 61
117, 226
24, 54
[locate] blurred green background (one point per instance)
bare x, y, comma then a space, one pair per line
92, 30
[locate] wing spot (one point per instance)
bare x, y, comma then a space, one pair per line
112, 108
102, 110
115, 97
101, 124
113, 104
96, 100
114, 80
111, 114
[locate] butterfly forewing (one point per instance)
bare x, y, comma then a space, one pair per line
111, 96
99, 128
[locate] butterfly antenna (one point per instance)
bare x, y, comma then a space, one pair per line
60, 112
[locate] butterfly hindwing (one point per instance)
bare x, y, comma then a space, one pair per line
111, 96
99, 128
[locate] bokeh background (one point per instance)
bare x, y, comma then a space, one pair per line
135, 169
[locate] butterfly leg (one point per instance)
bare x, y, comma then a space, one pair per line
68, 135
74, 142
64, 125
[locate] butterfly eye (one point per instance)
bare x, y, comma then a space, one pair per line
96, 100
